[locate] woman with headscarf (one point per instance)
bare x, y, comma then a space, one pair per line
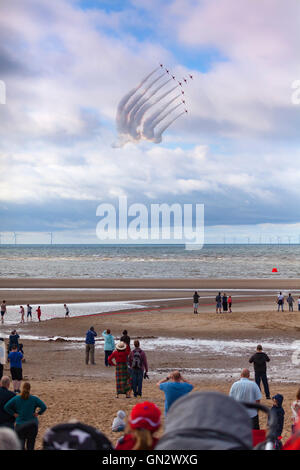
119, 359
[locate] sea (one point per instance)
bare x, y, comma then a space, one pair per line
102, 261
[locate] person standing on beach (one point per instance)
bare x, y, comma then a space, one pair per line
90, 345
280, 301
230, 303
139, 368
24, 408
248, 391
225, 302
125, 338
119, 359
290, 302
6, 420
174, 386
3, 310
196, 301
219, 303
15, 358
29, 312
298, 304
39, 313
67, 311
259, 360
109, 345
22, 313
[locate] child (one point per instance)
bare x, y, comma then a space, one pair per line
118, 424
279, 411
295, 410
143, 422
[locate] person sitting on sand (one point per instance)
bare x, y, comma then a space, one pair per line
143, 422
118, 424
174, 386
119, 359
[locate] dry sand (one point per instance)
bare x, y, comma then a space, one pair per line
73, 390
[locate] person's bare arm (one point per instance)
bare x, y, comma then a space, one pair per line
166, 379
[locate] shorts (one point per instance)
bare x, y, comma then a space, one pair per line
16, 373
219, 305
196, 305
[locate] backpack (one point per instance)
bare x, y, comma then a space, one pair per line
137, 360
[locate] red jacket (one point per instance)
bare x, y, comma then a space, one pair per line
119, 356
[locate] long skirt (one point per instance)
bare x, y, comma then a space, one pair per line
123, 381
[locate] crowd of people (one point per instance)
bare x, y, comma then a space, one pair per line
29, 308
195, 420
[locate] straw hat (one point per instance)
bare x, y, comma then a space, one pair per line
121, 346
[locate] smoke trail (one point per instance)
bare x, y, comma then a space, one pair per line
130, 119
158, 135
148, 130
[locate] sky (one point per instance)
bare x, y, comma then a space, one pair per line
66, 64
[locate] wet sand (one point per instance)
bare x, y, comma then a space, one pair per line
71, 389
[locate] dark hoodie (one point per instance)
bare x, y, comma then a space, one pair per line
259, 360
279, 411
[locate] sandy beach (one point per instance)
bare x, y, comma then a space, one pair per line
172, 336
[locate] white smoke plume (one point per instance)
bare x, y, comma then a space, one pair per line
138, 115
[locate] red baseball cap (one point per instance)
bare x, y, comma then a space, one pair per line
145, 415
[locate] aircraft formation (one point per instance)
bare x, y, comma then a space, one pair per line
145, 112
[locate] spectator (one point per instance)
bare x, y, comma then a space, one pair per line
143, 422
206, 421
6, 419
139, 368
39, 313
298, 304
9, 439
174, 386
75, 436
22, 313
279, 412
3, 310
90, 345
225, 302
219, 303
295, 410
290, 302
259, 360
280, 301
13, 339
67, 311
2, 356
248, 391
109, 345
119, 359
229, 303
125, 338
118, 424
15, 358
196, 301
29, 312
24, 408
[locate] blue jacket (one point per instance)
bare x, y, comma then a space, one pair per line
279, 411
90, 337
109, 342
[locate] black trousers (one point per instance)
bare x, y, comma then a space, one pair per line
27, 434
262, 376
255, 422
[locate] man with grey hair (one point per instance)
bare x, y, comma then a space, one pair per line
245, 390
5, 395
9, 439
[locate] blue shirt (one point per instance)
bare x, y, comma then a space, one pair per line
246, 390
15, 359
109, 342
173, 391
90, 337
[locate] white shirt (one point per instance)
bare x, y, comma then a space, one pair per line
246, 390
